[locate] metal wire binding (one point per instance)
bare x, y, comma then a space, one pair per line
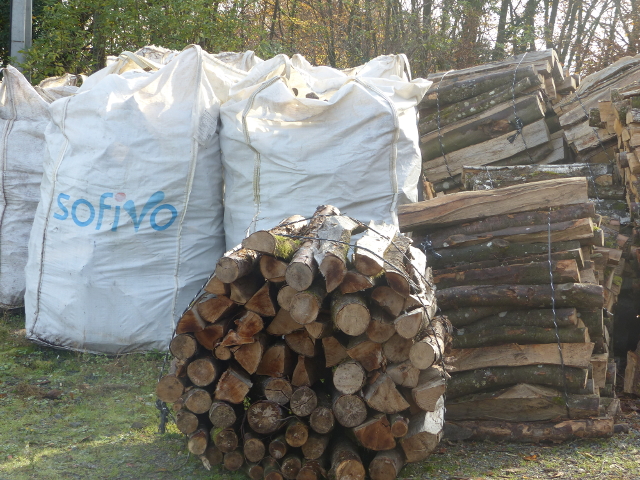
486, 169
446, 163
517, 122
555, 322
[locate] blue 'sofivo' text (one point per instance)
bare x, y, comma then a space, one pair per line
153, 205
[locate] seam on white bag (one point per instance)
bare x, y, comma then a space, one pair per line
257, 158
393, 160
5, 137
188, 186
54, 179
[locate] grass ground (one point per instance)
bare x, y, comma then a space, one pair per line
69, 415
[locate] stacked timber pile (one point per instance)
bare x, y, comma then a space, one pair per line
590, 138
309, 356
513, 275
498, 113
605, 262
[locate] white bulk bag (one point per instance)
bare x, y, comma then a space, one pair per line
355, 147
130, 221
243, 61
53, 88
24, 115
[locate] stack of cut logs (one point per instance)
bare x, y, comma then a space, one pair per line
514, 271
605, 264
471, 117
305, 357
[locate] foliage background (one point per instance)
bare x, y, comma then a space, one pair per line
77, 35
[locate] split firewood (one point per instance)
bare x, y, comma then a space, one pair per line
272, 242
272, 268
190, 322
235, 264
404, 374
431, 386
250, 355
355, 281
388, 299
233, 386
283, 324
211, 334
367, 353
301, 343
375, 433
382, 327
243, 289
334, 351
397, 348
232, 339
321, 327
368, 257
263, 301
217, 287
383, 396
331, 250
306, 373
212, 308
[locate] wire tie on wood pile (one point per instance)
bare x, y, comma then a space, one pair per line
486, 169
446, 163
555, 319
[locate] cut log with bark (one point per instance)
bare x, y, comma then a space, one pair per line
277, 361
350, 313
540, 317
331, 251
303, 401
278, 447
431, 386
198, 441
183, 346
397, 348
235, 264
277, 241
273, 269
322, 419
572, 379
425, 432
349, 410
253, 447
225, 439
430, 349
523, 402
523, 335
383, 396
375, 433
290, 466
265, 417
381, 327
204, 371
253, 471
471, 206
275, 389
388, 299
222, 414
513, 355
386, 465
233, 461
296, 432
305, 305
243, 289
315, 446
285, 295
522, 432
345, 461
394, 265
283, 323
197, 400
526, 296
186, 421
404, 374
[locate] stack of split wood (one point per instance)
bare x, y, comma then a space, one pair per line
588, 130
527, 310
606, 265
498, 113
311, 355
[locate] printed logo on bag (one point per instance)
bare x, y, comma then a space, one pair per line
83, 213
